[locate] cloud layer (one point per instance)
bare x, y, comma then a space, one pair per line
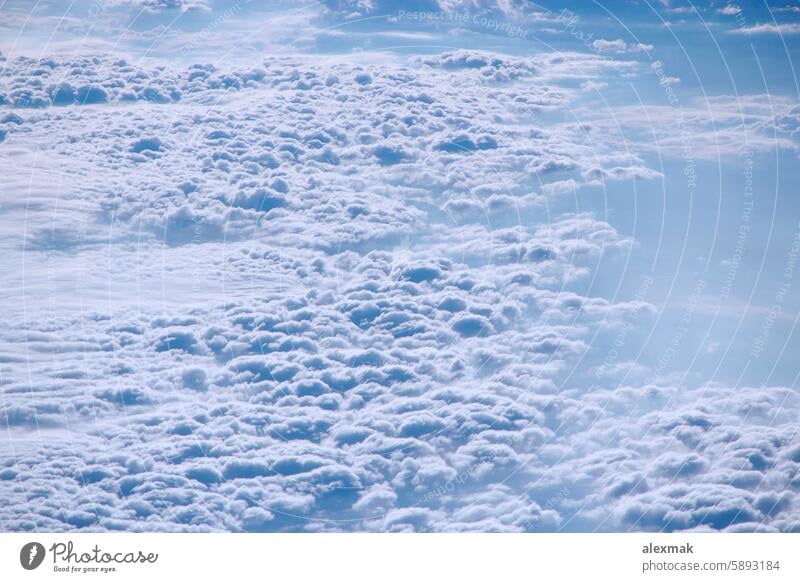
329, 295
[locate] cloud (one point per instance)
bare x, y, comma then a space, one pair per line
619, 46
729, 10
160, 5
721, 126
349, 7
331, 293
768, 28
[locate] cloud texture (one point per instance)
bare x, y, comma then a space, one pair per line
327, 294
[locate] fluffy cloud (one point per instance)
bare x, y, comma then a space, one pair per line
619, 46
327, 295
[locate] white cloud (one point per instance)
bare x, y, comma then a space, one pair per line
619, 46
329, 293
768, 28
729, 10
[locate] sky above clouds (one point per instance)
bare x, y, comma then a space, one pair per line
399, 266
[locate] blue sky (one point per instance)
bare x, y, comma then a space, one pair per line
399, 266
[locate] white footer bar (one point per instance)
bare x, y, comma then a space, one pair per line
389, 557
